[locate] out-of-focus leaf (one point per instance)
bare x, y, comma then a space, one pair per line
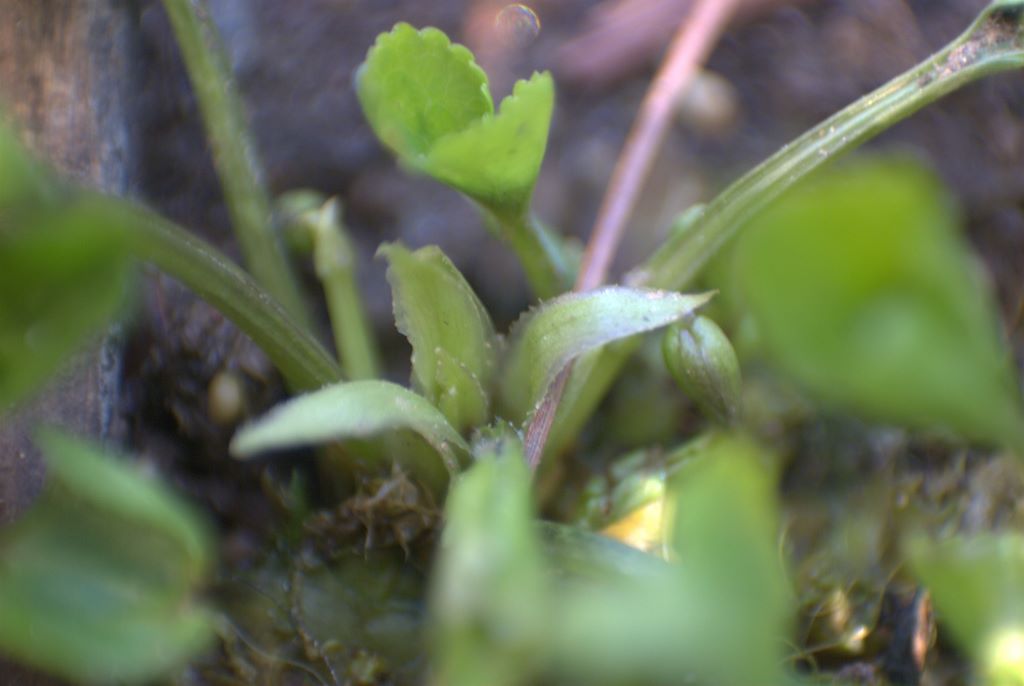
360, 409
489, 601
22, 180
977, 585
861, 289
548, 338
63, 276
726, 536
719, 615
98, 580
429, 102
454, 347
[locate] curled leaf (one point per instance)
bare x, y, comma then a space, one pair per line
544, 341
454, 347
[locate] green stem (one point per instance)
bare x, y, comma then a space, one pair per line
233, 152
334, 258
540, 251
993, 43
302, 361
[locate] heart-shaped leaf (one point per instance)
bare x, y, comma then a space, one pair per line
454, 347
861, 289
428, 101
548, 338
99, 580
357, 410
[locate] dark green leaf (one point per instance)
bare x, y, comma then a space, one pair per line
356, 410
63, 277
98, 581
862, 290
454, 347
544, 341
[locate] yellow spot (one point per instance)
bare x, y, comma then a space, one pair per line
643, 528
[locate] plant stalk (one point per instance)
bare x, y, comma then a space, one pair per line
334, 261
234, 154
303, 362
540, 252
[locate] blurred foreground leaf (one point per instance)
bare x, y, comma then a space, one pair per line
718, 615
22, 180
358, 410
862, 290
548, 338
977, 584
454, 347
63, 276
98, 580
489, 598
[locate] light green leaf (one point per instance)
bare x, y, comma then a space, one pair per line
489, 606
63, 276
358, 410
454, 347
428, 101
416, 87
862, 290
99, 580
977, 585
496, 161
548, 338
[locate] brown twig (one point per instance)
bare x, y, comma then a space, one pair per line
691, 45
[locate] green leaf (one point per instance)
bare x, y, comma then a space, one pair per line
719, 615
496, 161
63, 276
489, 604
22, 180
100, 579
726, 536
861, 289
545, 340
977, 585
416, 87
454, 347
428, 101
358, 410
